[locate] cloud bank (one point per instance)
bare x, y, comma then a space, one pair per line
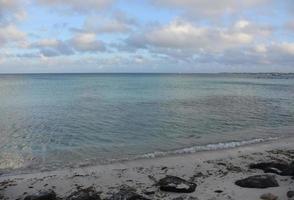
146, 36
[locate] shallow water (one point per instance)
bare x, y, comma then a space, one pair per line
51, 121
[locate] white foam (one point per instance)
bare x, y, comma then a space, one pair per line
189, 150
208, 147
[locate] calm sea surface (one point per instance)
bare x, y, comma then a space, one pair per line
50, 121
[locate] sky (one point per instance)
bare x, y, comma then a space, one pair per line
165, 36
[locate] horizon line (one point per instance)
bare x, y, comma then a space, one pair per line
28, 73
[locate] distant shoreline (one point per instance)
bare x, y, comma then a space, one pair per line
183, 73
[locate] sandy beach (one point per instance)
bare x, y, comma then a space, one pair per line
214, 173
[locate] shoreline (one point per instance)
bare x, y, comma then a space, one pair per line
233, 144
203, 166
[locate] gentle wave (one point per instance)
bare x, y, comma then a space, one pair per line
157, 154
208, 147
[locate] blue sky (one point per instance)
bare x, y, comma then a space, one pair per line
51, 36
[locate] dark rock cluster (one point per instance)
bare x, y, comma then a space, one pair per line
258, 181
290, 194
44, 195
167, 184
84, 194
282, 169
266, 180
176, 184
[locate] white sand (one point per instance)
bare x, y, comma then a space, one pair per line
141, 174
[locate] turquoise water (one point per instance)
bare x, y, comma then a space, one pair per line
50, 121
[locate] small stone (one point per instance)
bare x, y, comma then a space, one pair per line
258, 181
269, 196
149, 192
290, 194
221, 164
234, 168
176, 184
199, 174
44, 195
218, 191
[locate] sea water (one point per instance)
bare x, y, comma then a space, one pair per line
50, 121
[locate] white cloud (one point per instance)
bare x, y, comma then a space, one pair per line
260, 48
183, 35
203, 32
243, 43
47, 43
118, 23
85, 38
8, 4
177, 34
10, 34
285, 47
242, 24
77, 5
210, 7
252, 28
275, 54
87, 42
81, 42
236, 38
12, 10
49, 47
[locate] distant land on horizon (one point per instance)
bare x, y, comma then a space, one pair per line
216, 73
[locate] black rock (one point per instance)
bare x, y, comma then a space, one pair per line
218, 191
258, 181
290, 170
176, 184
44, 195
290, 194
84, 194
127, 194
282, 169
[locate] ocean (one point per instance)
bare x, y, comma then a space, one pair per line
53, 121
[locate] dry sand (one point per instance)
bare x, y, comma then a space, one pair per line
210, 170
